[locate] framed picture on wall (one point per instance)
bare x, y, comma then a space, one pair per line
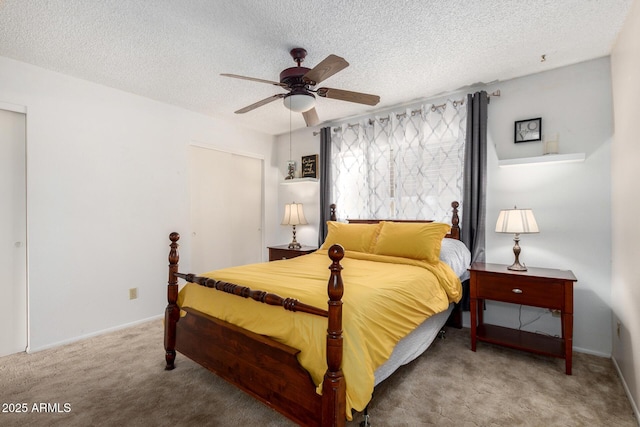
528, 130
310, 166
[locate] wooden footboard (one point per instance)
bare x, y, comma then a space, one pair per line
260, 366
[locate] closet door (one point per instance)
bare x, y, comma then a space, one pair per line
13, 233
246, 219
226, 209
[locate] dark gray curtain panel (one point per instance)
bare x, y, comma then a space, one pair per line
325, 182
475, 176
475, 183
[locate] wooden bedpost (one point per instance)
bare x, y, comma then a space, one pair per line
455, 318
455, 221
172, 313
334, 387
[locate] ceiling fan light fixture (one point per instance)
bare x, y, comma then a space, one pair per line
299, 102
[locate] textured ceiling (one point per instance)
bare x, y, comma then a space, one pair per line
403, 50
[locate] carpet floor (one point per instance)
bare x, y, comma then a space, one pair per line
118, 379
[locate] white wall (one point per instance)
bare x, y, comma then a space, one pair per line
572, 202
107, 183
625, 65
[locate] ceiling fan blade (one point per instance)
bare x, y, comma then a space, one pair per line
347, 95
235, 76
311, 117
325, 69
260, 103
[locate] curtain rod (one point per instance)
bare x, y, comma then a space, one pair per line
414, 112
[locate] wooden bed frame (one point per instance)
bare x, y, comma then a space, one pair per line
262, 367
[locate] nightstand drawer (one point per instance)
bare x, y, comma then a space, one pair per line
534, 292
275, 254
284, 252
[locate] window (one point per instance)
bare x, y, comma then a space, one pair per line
403, 166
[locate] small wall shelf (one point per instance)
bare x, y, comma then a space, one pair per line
297, 180
548, 158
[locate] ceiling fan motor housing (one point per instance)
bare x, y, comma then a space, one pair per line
299, 98
292, 77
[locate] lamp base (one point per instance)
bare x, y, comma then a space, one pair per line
516, 266
294, 245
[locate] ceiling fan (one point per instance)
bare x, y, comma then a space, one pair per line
298, 81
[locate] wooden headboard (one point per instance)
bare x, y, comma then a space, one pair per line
455, 220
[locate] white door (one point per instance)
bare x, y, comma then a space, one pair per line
226, 209
13, 233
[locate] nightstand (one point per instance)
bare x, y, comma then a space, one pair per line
538, 287
283, 252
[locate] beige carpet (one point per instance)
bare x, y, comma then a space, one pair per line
118, 379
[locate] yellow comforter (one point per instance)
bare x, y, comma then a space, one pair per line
385, 298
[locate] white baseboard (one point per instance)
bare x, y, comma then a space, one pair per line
591, 352
94, 334
634, 406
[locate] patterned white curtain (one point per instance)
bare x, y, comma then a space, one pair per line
407, 165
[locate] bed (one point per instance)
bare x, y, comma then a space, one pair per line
277, 352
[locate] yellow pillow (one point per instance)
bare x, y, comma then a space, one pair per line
352, 237
413, 240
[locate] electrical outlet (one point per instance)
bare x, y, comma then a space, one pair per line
133, 293
618, 324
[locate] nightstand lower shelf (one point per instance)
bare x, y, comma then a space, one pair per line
521, 340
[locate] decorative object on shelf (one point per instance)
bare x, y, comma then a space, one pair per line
528, 130
310, 166
551, 144
291, 164
291, 169
516, 221
294, 215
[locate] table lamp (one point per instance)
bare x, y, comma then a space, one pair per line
516, 221
294, 215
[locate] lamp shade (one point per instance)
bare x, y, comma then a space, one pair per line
293, 214
299, 102
516, 221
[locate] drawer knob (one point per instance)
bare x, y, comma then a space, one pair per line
516, 291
